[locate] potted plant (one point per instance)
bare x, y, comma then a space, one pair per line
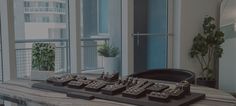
206, 47
110, 60
43, 60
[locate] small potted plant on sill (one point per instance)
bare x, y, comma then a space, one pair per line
206, 47
110, 60
43, 61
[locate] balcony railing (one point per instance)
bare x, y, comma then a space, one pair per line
24, 56
90, 60
44, 9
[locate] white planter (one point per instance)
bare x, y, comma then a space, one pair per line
41, 75
110, 64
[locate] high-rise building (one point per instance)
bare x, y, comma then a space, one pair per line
45, 19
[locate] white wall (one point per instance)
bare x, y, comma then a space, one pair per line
188, 19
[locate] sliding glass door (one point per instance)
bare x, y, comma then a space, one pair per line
150, 34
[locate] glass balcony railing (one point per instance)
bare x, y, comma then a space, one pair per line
44, 9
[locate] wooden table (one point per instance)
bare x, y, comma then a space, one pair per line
21, 90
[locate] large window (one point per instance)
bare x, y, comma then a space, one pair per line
46, 21
41, 22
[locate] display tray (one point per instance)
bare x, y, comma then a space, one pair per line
143, 101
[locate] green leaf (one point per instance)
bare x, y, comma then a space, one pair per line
108, 50
43, 56
206, 44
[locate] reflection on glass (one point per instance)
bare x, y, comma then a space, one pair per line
43, 21
227, 65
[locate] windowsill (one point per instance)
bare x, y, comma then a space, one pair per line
98, 71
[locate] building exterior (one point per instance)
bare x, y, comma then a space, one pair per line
45, 19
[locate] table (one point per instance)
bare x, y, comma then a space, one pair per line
21, 90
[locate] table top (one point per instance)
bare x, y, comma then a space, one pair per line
21, 90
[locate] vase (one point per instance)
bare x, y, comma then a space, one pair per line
110, 65
205, 82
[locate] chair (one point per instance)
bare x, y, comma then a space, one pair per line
174, 75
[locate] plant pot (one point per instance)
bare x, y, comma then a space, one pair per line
41, 75
206, 82
110, 65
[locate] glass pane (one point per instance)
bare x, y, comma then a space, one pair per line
227, 61
41, 22
157, 23
103, 16
101, 24
150, 38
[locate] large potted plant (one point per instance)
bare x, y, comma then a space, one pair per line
110, 60
43, 60
206, 47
